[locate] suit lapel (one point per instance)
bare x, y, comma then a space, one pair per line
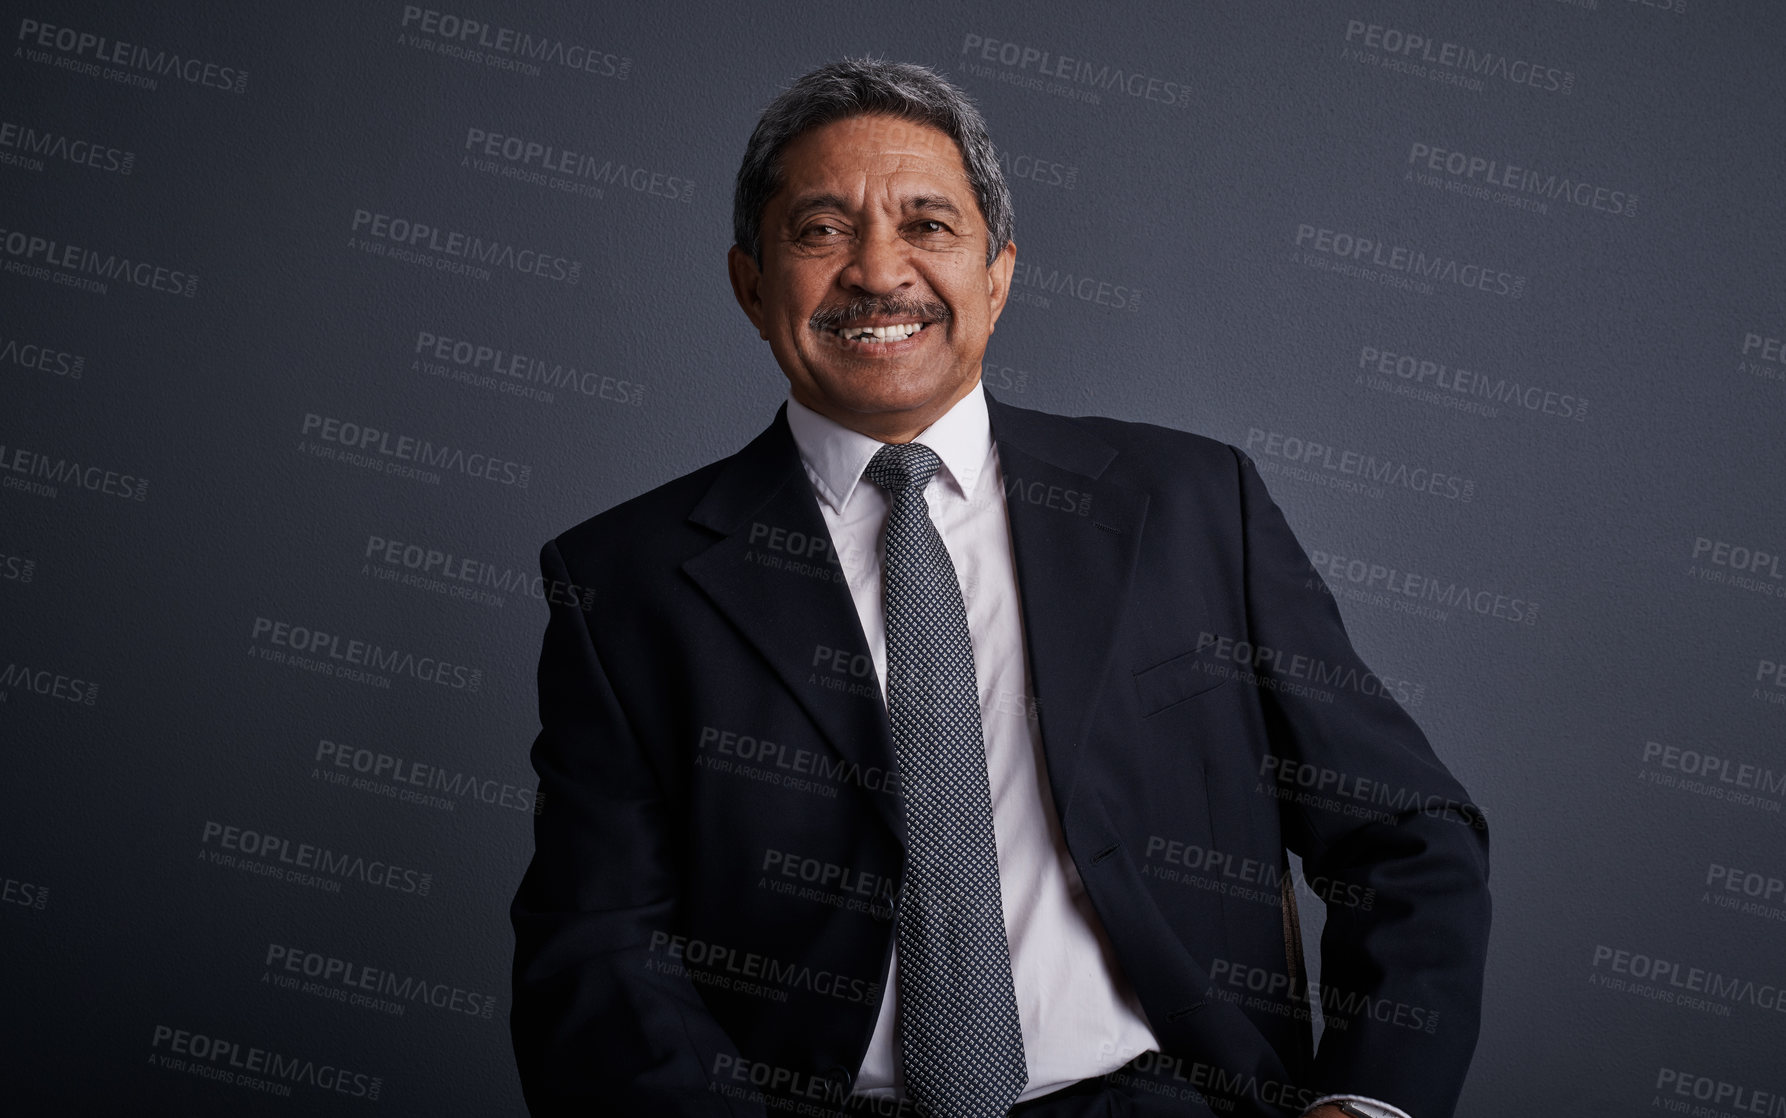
787, 616
1073, 575
1074, 571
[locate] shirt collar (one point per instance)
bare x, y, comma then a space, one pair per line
835, 456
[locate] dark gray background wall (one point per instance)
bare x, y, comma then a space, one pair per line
1522, 257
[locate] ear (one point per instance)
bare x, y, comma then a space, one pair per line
747, 282
998, 281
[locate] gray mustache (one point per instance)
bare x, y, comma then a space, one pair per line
830, 318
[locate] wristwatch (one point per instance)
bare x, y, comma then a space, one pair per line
1352, 1111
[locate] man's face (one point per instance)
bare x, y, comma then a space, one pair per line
875, 226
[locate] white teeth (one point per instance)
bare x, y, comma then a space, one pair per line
884, 333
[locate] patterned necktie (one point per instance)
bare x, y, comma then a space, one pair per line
963, 1045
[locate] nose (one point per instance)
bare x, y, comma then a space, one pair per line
881, 262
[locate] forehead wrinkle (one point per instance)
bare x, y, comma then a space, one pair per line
916, 198
884, 149
924, 189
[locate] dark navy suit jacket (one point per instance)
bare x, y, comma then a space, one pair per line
709, 712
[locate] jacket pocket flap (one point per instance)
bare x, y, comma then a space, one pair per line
1189, 673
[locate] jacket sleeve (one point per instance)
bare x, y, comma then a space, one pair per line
604, 1021
1365, 802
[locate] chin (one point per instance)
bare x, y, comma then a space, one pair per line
885, 393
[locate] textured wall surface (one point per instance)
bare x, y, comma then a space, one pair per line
316, 320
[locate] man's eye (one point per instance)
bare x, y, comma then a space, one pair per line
816, 230
930, 225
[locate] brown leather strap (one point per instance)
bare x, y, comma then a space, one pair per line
1292, 925
1294, 963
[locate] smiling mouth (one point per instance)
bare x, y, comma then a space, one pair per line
896, 332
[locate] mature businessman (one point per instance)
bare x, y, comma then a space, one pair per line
935, 755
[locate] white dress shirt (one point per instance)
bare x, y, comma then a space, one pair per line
1079, 1015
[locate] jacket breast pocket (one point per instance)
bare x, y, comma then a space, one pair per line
1185, 675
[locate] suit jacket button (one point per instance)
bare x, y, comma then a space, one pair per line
840, 1075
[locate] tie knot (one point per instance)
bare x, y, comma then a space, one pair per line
899, 466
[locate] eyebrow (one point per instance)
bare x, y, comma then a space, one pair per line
919, 203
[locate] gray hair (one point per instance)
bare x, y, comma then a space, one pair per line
860, 87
